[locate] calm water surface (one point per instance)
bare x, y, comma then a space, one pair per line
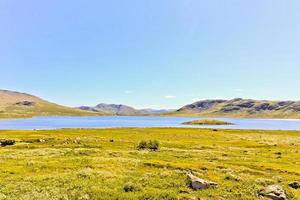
117, 122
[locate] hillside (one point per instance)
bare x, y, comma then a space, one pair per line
246, 108
22, 105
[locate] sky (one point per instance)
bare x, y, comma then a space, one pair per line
150, 54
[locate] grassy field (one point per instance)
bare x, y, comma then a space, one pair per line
103, 163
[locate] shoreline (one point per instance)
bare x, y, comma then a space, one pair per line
151, 128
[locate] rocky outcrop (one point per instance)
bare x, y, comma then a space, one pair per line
198, 184
274, 192
25, 103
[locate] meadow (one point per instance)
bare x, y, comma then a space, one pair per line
106, 164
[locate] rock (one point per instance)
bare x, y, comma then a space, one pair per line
295, 185
4, 142
274, 192
198, 183
231, 177
184, 192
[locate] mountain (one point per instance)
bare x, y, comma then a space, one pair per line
21, 105
113, 109
246, 108
123, 110
156, 111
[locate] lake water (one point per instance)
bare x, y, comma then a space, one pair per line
118, 122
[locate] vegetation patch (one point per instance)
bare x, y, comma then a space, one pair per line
152, 145
207, 122
131, 187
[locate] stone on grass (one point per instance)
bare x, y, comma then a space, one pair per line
5, 142
274, 192
198, 184
295, 185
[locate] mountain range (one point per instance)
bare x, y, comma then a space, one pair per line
122, 110
22, 105
113, 109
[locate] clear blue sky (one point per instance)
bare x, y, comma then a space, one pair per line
158, 53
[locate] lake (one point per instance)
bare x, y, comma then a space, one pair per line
130, 121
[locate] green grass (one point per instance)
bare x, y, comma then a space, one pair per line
105, 163
207, 122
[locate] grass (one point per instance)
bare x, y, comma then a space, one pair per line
105, 164
207, 122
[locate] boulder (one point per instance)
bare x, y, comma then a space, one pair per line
295, 185
4, 142
42, 140
198, 184
274, 192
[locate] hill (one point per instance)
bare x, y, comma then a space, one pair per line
246, 108
113, 109
123, 110
156, 111
21, 105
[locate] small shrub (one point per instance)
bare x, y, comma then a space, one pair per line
131, 187
142, 145
153, 145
